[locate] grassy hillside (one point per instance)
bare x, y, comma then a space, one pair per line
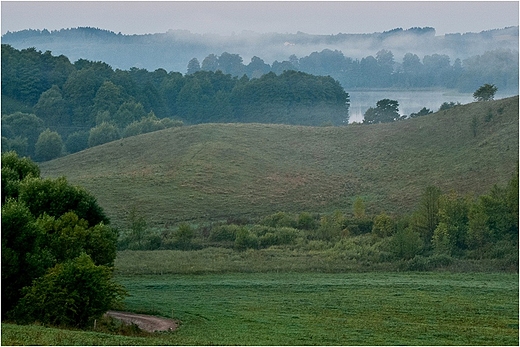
213, 171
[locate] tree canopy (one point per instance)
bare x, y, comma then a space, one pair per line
58, 249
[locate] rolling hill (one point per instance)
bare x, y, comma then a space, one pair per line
216, 171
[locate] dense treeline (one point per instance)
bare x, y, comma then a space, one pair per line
85, 103
499, 67
443, 227
58, 250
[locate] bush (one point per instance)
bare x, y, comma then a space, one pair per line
244, 240
49, 146
77, 141
279, 219
406, 244
306, 222
103, 133
73, 293
224, 233
420, 263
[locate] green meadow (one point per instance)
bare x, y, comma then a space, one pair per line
349, 291
374, 308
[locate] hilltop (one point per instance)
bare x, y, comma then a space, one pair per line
216, 171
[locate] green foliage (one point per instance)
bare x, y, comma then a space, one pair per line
306, 221
224, 233
72, 293
49, 146
24, 126
331, 227
183, 236
56, 197
103, 133
485, 92
279, 219
48, 223
386, 111
77, 141
427, 216
384, 225
358, 208
406, 243
447, 105
245, 239
145, 125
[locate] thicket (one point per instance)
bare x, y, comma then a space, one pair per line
88, 103
58, 249
444, 227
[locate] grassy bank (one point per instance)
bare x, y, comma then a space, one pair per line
216, 171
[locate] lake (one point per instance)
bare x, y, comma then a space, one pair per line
410, 101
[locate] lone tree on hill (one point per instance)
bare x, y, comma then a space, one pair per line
485, 92
386, 111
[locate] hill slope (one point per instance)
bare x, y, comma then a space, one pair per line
214, 171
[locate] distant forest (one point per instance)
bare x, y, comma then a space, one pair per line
411, 58
88, 103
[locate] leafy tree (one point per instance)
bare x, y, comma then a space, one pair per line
448, 105
103, 133
109, 97
485, 92
183, 236
23, 125
423, 112
52, 108
359, 208
145, 125
451, 232
77, 141
14, 170
210, 63
193, 66
386, 111
128, 112
406, 243
383, 226
427, 216
49, 146
56, 197
72, 293
45, 224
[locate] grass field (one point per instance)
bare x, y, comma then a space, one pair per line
215, 171
376, 308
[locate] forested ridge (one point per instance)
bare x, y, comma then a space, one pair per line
463, 60
87, 103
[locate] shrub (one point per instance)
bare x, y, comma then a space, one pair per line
383, 225
279, 219
406, 244
77, 141
49, 146
420, 263
73, 293
103, 133
224, 233
244, 240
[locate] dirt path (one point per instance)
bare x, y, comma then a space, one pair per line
145, 322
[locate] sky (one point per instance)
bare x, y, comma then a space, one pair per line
233, 17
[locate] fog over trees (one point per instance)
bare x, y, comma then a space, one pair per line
173, 50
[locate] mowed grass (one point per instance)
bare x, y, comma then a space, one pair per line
215, 171
376, 308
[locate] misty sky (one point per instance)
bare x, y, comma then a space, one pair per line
225, 18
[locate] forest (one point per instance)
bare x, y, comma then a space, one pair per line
382, 70
47, 100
